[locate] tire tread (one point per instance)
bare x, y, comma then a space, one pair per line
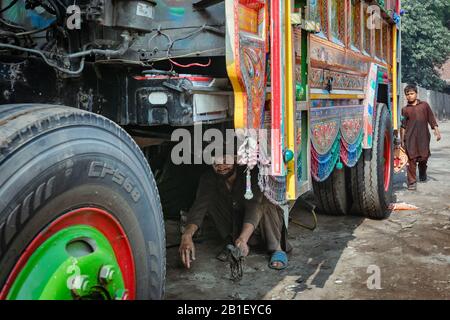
21, 123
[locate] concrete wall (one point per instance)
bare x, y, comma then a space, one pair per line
439, 102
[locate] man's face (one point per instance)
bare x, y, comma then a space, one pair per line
224, 165
223, 169
411, 96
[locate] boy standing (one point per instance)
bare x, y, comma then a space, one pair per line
415, 136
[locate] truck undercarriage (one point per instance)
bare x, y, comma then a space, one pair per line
117, 66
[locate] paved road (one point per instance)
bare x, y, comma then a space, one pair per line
410, 252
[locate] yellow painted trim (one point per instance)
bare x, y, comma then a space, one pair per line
320, 96
290, 105
240, 119
394, 79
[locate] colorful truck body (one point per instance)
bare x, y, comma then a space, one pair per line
332, 65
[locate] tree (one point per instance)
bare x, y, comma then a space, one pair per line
425, 42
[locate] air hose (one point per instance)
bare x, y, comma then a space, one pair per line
311, 208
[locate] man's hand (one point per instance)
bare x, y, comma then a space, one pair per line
241, 242
187, 250
243, 246
437, 134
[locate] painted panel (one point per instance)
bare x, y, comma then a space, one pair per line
318, 12
336, 135
325, 54
351, 123
355, 24
369, 106
246, 60
352, 134
341, 80
324, 127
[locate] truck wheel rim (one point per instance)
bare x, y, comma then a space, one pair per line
387, 162
84, 254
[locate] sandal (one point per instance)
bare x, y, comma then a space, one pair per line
278, 256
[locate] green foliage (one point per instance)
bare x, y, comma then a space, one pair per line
425, 41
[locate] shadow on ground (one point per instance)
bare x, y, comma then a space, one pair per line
311, 264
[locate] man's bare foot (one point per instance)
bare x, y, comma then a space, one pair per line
279, 260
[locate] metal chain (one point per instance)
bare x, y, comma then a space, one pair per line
236, 261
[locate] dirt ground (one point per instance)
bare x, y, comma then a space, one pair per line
410, 248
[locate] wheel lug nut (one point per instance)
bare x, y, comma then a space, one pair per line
79, 285
106, 273
121, 294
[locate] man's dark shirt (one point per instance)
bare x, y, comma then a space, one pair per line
213, 194
415, 121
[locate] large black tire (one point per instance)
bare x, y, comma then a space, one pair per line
371, 194
331, 195
45, 145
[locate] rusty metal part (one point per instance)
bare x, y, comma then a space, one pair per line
236, 260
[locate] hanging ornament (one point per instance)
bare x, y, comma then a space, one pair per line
248, 186
248, 155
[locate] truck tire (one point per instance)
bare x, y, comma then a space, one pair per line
80, 215
371, 178
331, 195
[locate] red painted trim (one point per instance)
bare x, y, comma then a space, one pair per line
93, 217
193, 78
253, 4
276, 81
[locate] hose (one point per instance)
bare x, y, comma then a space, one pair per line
41, 53
109, 53
11, 25
35, 31
314, 226
82, 54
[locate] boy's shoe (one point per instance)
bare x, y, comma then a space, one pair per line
412, 187
423, 178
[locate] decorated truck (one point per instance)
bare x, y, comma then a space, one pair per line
92, 91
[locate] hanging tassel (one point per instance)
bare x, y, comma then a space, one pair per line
248, 189
248, 155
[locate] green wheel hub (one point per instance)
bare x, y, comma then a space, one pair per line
77, 262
